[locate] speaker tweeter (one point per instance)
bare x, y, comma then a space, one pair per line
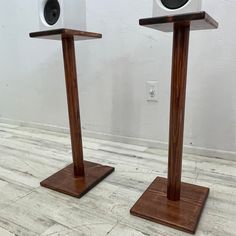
54, 14
52, 11
174, 7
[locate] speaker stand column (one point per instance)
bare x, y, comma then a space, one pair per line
169, 201
73, 105
81, 176
177, 108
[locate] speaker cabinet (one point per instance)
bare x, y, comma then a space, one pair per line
174, 7
54, 14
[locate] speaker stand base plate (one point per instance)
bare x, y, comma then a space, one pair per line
65, 182
183, 215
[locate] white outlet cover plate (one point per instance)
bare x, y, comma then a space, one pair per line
152, 91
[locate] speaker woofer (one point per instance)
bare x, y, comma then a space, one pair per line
52, 12
174, 4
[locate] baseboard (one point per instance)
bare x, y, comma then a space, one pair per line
162, 145
128, 140
49, 127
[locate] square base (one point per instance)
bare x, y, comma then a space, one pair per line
183, 215
65, 182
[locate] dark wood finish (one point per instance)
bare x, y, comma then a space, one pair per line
182, 215
199, 21
57, 34
73, 104
78, 178
65, 182
177, 107
168, 201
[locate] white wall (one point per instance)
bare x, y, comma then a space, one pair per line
113, 72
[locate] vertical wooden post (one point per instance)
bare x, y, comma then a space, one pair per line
73, 104
177, 108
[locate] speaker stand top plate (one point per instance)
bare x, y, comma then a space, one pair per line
57, 34
198, 21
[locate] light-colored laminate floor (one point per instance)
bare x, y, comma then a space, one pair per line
29, 155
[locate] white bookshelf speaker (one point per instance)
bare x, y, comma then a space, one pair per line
55, 14
174, 7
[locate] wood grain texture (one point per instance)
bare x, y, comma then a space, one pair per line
177, 108
65, 182
73, 104
198, 21
171, 202
30, 153
80, 177
57, 34
183, 215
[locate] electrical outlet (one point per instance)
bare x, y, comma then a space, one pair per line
152, 91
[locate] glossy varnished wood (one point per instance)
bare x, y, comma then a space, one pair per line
177, 107
171, 202
65, 182
57, 34
184, 214
198, 21
73, 104
78, 178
